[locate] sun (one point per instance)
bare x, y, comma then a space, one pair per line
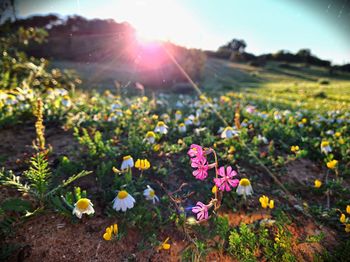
164, 20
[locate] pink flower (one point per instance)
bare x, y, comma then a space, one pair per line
196, 153
226, 181
202, 168
201, 210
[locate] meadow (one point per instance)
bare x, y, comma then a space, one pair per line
252, 166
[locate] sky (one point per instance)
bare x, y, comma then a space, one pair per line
265, 25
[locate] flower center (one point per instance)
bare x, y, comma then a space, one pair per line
127, 157
83, 203
244, 182
122, 194
151, 193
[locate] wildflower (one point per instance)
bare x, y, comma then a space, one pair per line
154, 117
116, 106
226, 181
201, 210
332, 164
166, 118
229, 132
304, 120
348, 209
156, 147
342, 218
325, 147
277, 115
337, 134
347, 228
318, 183
178, 115
128, 162
188, 121
142, 164
150, 194
196, 121
182, 128
202, 168
244, 188
165, 245
123, 201
294, 149
83, 206
264, 201
214, 189
110, 231
231, 150
250, 109
161, 128
150, 137
262, 139
66, 101
196, 152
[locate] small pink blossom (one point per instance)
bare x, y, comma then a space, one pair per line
196, 153
226, 181
201, 210
202, 168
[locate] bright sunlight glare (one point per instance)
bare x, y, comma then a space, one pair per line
163, 20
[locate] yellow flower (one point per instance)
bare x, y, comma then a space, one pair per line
304, 120
341, 141
337, 134
348, 209
318, 183
156, 147
155, 117
110, 231
128, 112
332, 164
142, 164
165, 245
342, 218
347, 228
264, 200
324, 143
231, 150
294, 149
214, 189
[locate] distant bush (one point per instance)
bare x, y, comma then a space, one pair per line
320, 94
323, 81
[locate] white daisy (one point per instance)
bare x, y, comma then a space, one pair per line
150, 194
123, 201
150, 137
188, 121
178, 115
182, 128
229, 132
83, 206
244, 187
128, 162
161, 128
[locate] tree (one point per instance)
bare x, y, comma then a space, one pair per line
237, 45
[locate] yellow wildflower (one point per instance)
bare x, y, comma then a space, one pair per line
110, 231
142, 164
337, 134
264, 200
348, 209
332, 164
214, 189
347, 228
165, 245
342, 218
318, 183
294, 149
